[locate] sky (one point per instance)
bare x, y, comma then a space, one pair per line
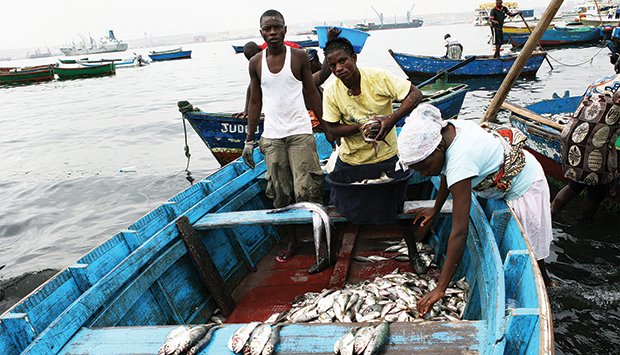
53, 23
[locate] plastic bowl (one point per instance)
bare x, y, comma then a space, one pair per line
356, 37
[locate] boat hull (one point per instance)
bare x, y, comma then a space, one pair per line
126, 295
120, 47
27, 76
224, 135
160, 57
560, 37
419, 67
544, 141
86, 72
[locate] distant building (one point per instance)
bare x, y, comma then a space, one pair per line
199, 39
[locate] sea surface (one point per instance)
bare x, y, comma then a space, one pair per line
83, 159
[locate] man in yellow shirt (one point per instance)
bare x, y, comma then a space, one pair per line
359, 95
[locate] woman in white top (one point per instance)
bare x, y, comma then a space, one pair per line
468, 158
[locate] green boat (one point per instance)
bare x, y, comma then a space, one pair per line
70, 61
27, 75
85, 72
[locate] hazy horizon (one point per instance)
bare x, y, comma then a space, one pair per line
68, 19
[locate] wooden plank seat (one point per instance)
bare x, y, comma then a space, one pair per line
254, 217
405, 338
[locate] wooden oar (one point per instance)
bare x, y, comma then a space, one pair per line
521, 60
531, 115
539, 46
449, 70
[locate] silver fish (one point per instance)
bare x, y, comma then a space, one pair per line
314, 207
192, 337
241, 336
345, 343
317, 232
380, 337
173, 339
274, 338
204, 341
259, 339
362, 338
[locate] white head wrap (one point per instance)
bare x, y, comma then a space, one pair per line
420, 134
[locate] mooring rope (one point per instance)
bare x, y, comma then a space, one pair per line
578, 64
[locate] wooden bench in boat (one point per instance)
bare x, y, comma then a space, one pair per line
405, 338
237, 218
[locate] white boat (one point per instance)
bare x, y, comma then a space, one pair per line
105, 45
588, 11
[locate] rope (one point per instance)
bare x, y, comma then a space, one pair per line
188, 155
578, 64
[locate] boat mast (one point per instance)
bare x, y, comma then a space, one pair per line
378, 14
521, 60
410, 12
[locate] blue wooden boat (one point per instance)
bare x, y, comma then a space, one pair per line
419, 66
560, 36
126, 295
224, 134
172, 54
543, 134
306, 43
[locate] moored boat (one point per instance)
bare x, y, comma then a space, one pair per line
543, 134
85, 72
106, 45
560, 35
420, 66
171, 54
10, 76
224, 134
125, 296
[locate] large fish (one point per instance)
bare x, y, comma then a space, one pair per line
204, 341
379, 338
259, 339
316, 209
173, 340
274, 338
344, 345
241, 336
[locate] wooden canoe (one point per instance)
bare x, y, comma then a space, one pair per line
419, 67
224, 134
172, 54
26, 75
560, 36
65, 73
126, 295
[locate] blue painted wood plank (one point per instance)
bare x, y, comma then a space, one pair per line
434, 337
79, 272
189, 197
154, 221
520, 284
520, 325
499, 222
6, 343
115, 308
184, 288
105, 257
19, 328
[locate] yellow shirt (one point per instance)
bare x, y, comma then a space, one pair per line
379, 89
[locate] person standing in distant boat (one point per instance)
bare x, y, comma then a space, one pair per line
280, 80
454, 49
496, 20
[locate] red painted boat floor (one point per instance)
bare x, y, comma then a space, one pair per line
274, 285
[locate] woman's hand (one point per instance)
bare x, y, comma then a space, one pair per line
428, 300
423, 215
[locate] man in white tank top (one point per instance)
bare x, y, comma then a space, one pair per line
279, 78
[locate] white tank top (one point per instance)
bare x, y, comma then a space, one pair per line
283, 101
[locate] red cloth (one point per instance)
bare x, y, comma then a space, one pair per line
286, 43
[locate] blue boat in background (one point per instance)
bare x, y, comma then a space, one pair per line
560, 36
224, 134
543, 133
212, 247
172, 54
419, 67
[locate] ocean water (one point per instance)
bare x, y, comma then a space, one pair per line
83, 159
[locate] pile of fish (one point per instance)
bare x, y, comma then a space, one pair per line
382, 179
321, 223
424, 250
255, 338
392, 298
561, 118
188, 339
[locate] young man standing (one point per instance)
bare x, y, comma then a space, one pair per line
280, 76
496, 20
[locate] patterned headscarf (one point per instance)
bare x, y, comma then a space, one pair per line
420, 134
